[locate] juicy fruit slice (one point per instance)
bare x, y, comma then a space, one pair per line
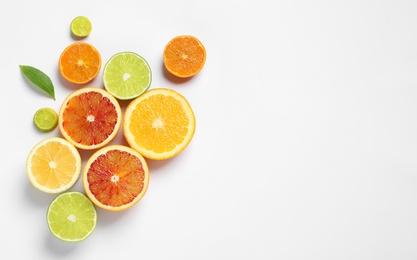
89, 118
184, 56
159, 124
53, 165
71, 216
80, 63
81, 26
45, 119
115, 177
126, 75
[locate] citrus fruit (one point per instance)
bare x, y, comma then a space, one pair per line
159, 124
81, 26
45, 119
53, 165
80, 63
71, 216
184, 56
89, 118
126, 75
115, 177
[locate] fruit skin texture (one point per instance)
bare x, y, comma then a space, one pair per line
159, 124
184, 56
79, 63
41, 149
116, 177
90, 112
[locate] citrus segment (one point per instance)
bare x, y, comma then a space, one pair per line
71, 216
45, 119
184, 56
89, 118
116, 177
159, 124
81, 26
126, 75
80, 63
53, 165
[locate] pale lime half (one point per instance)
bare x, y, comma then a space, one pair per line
71, 216
45, 119
127, 75
81, 26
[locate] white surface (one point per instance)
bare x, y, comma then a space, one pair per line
306, 140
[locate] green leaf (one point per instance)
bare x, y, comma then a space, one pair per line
38, 78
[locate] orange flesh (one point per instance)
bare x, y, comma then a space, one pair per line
54, 154
89, 118
116, 178
159, 128
184, 56
80, 63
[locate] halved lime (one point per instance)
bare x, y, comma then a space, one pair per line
45, 119
127, 75
71, 216
81, 26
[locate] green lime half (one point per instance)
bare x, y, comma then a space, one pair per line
46, 119
81, 26
72, 216
127, 75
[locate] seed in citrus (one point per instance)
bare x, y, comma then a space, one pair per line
126, 75
53, 165
81, 26
159, 124
184, 56
115, 177
89, 118
80, 63
45, 119
71, 216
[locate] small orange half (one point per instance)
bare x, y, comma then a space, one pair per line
184, 56
80, 63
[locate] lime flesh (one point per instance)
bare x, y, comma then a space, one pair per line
127, 75
45, 119
71, 216
81, 26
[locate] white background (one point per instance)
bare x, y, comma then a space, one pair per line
306, 138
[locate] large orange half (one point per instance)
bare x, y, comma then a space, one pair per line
80, 63
89, 118
159, 124
115, 177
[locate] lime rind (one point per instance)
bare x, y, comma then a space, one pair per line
81, 26
71, 216
127, 75
45, 119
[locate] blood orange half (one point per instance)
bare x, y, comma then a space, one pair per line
115, 177
89, 118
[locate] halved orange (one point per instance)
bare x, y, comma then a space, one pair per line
115, 177
184, 56
89, 118
159, 124
53, 165
80, 63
